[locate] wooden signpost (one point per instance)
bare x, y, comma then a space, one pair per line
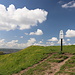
61, 36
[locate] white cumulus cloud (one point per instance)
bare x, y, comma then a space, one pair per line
21, 37
40, 42
53, 39
26, 33
15, 44
11, 44
69, 44
38, 32
70, 33
60, 2
50, 43
20, 18
68, 39
31, 41
59, 41
70, 4
2, 42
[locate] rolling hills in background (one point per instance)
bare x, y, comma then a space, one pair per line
7, 50
36, 60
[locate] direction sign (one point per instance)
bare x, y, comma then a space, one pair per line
61, 35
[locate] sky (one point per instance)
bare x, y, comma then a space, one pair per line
36, 22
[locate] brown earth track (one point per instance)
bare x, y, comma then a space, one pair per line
55, 68
21, 72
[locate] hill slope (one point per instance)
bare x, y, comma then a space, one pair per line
50, 66
15, 62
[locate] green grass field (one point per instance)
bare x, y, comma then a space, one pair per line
46, 65
15, 62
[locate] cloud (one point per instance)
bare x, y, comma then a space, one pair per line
2, 42
70, 4
31, 41
38, 32
15, 44
74, 44
69, 44
70, 33
50, 43
26, 33
40, 42
59, 41
20, 18
21, 37
60, 2
68, 39
11, 44
53, 39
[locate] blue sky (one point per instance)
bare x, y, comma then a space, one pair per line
36, 22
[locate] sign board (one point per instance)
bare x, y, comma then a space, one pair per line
61, 35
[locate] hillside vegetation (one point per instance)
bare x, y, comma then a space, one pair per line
1, 53
15, 62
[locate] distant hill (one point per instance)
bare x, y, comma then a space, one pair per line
7, 50
15, 62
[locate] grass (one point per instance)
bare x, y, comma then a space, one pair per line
57, 58
64, 73
69, 49
68, 67
42, 68
15, 62
38, 70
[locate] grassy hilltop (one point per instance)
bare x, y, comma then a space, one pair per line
15, 62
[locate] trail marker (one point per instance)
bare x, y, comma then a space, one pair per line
61, 36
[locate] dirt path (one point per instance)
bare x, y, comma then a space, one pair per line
57, 66
21, 72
